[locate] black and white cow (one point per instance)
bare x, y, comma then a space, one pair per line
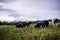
43, 23
56, 22
38, 25
19, 25
23, 24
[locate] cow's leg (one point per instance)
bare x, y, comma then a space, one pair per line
26, 26
41, 26
56, 26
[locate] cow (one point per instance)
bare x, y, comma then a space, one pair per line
56, 22
26, 24
19, 25
23, 24
43, 23
38, 25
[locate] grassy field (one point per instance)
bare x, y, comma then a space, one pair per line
10, 32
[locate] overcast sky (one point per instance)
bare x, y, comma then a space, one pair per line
20, 10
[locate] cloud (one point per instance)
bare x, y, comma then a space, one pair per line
10, 11
5, 17
22, 18
30, 9
6, 1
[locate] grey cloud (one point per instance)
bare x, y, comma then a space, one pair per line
6, 1
11, 12
6, 9
54, 5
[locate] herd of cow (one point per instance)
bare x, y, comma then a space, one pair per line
38, 24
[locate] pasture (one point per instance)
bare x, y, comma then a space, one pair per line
10, 32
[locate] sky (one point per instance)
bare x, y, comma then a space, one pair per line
29, 10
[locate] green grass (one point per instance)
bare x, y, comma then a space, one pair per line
30, 33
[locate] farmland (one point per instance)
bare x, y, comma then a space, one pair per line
10, 32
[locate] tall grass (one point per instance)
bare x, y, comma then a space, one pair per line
30, 33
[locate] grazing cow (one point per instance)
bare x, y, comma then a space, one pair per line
26, 24
44, 23
38, 25
23, 24
19, 25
